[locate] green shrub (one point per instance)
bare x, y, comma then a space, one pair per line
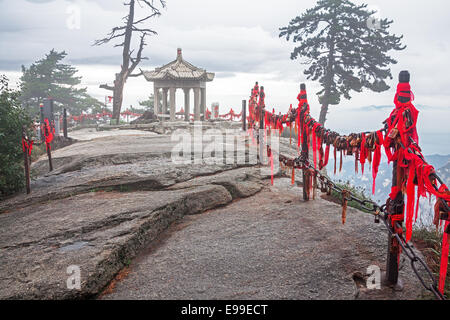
12, 119
429, 241
358, 192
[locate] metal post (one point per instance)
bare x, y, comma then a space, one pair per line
304, 144
48, 146
57, 124
244, 115
49, 154
65, 123
393, 255
262, 111
26, 165
41, 112
261, 135
396, 209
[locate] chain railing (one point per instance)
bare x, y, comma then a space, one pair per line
392, 213
379, 212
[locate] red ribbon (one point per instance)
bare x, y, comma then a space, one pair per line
334, 160
327, 155
48, 133
299, 129
444, 259
401, 125
376, 158
315, 143
363, 153
27, 145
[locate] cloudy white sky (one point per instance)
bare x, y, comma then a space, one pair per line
238, 40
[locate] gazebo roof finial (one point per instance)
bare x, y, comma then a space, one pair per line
179, 55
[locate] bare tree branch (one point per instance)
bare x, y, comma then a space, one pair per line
146, 18
144, 30
138, 58
105, 86
136, 74
125, 33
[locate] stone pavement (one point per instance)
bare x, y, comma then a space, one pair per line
268, 246
203, 230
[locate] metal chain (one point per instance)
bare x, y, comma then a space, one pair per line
414, 259
373, 208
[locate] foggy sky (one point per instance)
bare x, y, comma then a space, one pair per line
238, 40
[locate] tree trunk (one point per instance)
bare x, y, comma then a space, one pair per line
121, 77
129, 63
330, 78
117, 101
323, 114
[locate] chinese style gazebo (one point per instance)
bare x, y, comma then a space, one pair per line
180, 74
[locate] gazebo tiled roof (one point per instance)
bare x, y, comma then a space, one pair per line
178, 69
179, 74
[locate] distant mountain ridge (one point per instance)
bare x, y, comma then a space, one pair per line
384, 178
440, 162
391, 107
444, 173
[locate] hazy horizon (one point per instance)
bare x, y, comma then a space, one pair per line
239, 42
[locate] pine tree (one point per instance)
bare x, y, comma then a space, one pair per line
345, 48
149, 104
49, 77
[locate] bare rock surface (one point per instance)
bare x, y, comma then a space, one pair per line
122, 162
106, 199
99, 232
206, 229
167, 127
86, 134
268, 246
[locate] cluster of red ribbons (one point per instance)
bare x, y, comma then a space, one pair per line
207, 114
49, 132
252, 105
400, 143
365, 146
129, 113
413, 173
27, 145
231, 115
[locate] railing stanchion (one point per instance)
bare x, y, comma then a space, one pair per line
65, 123
394, 248
304, 145
396, 211
26, 162
244, 115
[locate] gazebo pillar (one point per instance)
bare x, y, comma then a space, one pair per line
187, 107
172, 103
156, 100
203, 103
196, 104
164, 106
